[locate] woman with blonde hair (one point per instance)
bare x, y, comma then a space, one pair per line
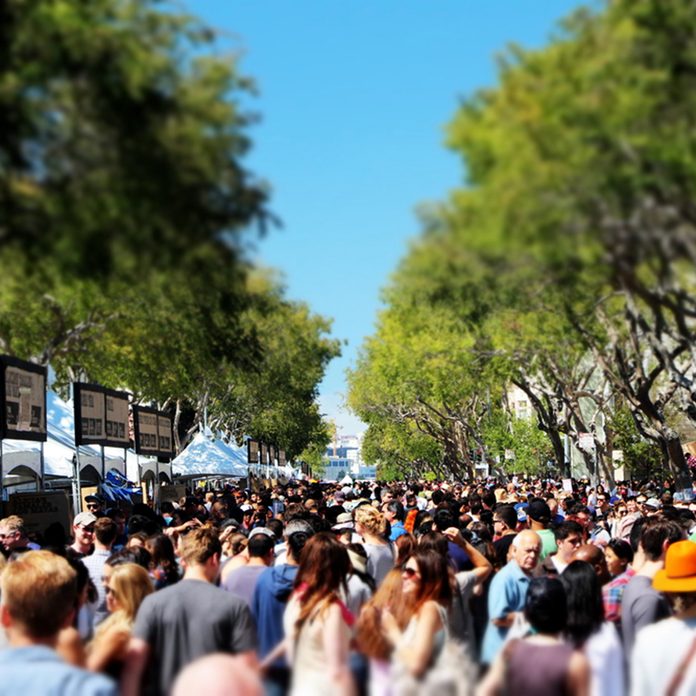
318, 625
126, 588
371, 525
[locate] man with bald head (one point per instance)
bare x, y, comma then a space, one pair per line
595, 557
508, 591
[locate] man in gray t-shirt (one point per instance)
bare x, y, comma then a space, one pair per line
641, 605
188, 620
241, 582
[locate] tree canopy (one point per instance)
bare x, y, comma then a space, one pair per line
566, 259
126, 214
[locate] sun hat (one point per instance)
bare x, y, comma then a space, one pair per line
357, 561
679, 573
343, 521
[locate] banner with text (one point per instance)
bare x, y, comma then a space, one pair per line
101, 416
154, 434
23, 400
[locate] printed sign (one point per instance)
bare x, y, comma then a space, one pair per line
40, 510
252, 451
116, 419
281, 458
164, 435
101, 416
153, 432
23, 400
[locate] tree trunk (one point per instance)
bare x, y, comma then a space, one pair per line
677, 462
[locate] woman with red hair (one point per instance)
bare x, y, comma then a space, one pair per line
318, 626
428, 593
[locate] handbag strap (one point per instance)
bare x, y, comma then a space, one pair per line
678, 676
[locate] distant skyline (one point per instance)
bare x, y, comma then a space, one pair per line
354, 98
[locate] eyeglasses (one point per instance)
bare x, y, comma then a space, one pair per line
409, 572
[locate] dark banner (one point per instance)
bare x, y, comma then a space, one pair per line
281, 458
153, 432
263, 450
252, 451
101, 416
23, 400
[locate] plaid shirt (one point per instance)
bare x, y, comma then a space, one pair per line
612, 594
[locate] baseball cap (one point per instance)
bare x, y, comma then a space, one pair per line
653, 503
94, 498
261, 530
84, 519
539, 511
295, 526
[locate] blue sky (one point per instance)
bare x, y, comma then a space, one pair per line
353, 97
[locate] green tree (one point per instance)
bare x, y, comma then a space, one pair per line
124, 214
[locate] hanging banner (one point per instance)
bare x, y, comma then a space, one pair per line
282, 461
117, 414
263, 450
88, 402
165, 433
153, 432
101, 416
252, 451
23, 400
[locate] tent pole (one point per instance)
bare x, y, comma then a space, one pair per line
103, 463
78, 483
42, 470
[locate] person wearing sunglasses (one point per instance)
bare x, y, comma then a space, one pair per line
13, 536
83, 534
95, 505
428, 593
127, 585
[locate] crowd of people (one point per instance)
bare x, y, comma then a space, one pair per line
524, 585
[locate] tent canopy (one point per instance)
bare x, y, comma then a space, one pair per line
21, 459
207, 456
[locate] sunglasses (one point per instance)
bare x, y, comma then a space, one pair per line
409, 572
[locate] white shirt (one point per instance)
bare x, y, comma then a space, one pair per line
659, 650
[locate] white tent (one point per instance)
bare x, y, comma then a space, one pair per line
207, 456
21, 460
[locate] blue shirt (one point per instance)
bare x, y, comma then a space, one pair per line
507, 593
39, 671
397, 529
273, 589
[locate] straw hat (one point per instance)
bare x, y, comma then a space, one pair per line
679, 574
